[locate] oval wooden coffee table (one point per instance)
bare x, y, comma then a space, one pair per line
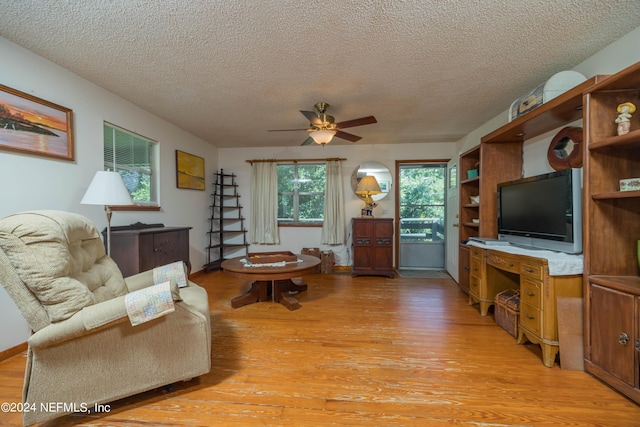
271, 282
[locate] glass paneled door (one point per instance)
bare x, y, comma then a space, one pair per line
422, 190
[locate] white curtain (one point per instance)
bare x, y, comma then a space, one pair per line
264, 205
333, 228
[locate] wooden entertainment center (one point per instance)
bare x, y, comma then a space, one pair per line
611, 226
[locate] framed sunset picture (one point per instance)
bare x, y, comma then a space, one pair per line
32, 125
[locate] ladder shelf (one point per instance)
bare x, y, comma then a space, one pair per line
227, 234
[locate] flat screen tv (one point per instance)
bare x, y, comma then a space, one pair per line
542, 212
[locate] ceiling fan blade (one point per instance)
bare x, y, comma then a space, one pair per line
357, 122
283, 130
312, 117
348, 136
308, 141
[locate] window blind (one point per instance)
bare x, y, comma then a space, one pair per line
131, 155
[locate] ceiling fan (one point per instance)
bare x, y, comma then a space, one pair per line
322, 127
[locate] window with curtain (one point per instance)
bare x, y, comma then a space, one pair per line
301, 192
132, 156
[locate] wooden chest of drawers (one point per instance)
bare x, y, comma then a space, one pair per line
140, 249
538, 312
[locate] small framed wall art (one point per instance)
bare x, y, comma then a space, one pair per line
189, 171
32, 125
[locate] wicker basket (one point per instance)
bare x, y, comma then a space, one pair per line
507, 311
326, 263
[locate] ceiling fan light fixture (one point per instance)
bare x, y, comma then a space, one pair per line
322, 137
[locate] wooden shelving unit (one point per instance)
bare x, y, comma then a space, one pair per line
469, 187
227, 234
612, 229
500, 159
496, 162
551, 115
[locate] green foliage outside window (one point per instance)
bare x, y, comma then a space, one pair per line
301, 193
422, 203
131, 155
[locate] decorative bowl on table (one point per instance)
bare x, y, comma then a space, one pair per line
271, 257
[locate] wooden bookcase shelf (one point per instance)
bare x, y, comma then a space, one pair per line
630, 284
496, 162
559, 111
470, 180
611, 232
629, 141
616, 195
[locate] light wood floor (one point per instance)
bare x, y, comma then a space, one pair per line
366, 351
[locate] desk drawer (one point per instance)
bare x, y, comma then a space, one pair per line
530, 291
530, 318
504, 262
476, 267
474, 286
532, 269
476, 253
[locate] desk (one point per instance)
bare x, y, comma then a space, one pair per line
271, 282
494, 270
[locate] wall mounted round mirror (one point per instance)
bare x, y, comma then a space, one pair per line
379, 171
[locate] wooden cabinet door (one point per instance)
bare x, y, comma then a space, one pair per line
612, 319
383, 243
170, 247
164, 247
363, 227
362, 254
363, 239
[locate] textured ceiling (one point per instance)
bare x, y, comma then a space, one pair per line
226, 71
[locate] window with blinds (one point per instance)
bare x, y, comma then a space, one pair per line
132, 156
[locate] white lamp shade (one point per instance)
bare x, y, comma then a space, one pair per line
107, 188
368, 186
322, 136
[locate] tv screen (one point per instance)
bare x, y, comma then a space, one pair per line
542, 211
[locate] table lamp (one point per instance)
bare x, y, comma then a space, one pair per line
107, 189
367, 187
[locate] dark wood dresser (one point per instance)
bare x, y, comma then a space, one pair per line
372, 247
141, 247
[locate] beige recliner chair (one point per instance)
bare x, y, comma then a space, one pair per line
83, 349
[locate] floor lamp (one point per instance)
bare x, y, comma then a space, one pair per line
107, 189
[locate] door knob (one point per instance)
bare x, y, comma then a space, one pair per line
623, 338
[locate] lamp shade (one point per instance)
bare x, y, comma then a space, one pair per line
107, 188
368, 186
322, 136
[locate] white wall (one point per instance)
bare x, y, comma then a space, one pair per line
613, 58
296, 238
33, 182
